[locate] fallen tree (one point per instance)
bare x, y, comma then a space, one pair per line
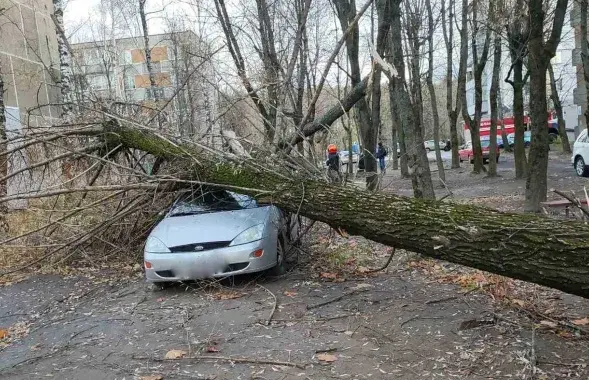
527, 247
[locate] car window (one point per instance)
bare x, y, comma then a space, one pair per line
583, 136
485, 143
208, 200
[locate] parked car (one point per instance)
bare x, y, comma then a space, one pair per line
580, 157
499, 140
344, 157
527, 139
466, 153
212, 233
430, 145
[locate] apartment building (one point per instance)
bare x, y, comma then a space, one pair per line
29, 62
184, 78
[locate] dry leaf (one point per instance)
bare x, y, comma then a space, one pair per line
3, 333
327, 357
549, 324
328, 275
212, 349
175, 354
519, 303
151, 377
227, 295
161, 299
581, 322
290, 294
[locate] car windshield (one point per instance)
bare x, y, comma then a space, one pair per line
485, 143
203, 201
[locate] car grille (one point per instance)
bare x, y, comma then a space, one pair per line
199, 247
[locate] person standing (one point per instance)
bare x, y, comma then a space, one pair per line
381, 153
333, 164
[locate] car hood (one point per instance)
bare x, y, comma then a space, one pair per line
209, 227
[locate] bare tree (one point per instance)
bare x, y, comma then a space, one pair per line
539, 54
3, 153
494, 105
517, 39
409, 113
562, 132
147, 50
431, 90
478, 67
346, 12
454, 111
65, 61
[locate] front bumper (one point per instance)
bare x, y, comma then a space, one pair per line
216, 263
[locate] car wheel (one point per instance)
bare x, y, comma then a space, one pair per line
428, 150
471, 159
552, 137
158, 286
280, 268
580, 167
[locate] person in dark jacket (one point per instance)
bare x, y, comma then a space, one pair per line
333, 164
381, 153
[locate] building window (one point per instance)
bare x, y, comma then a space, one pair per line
126, 58
92, 57
98, 82
129, 82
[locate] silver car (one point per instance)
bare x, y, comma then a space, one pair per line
215, 233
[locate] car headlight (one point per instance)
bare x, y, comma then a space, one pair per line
155, 245
251, 234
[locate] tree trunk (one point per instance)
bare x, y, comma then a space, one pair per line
432, 91
65, 62
585, 55
346, 11
521, 164
461, 90
539, 57
410, 124
566, 145
506, 147
464, 234
493, 99
147, 50
3, 149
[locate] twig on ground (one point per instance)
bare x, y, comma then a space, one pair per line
273, 307
354, 291
385, 264
431, 302
225, 358
333, 349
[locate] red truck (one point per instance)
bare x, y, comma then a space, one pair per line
466, 153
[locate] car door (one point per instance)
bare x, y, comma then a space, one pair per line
581, 147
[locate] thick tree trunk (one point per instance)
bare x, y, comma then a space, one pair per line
3, 149
539, 56
473, 236
398, 141
410, 124
432, 91
493, 99
566, 145
506, 147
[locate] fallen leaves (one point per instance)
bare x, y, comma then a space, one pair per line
581, 322
227, 295
549, 324
175, 354
212, 349
151, 377
328, 358
3, 333
289, 293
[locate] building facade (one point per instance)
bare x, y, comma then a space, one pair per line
183, 74
29, 62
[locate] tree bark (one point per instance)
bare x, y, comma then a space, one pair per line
566, 145
539, 56
3, 150
410, 124
65, 62
468, 235
448, 31
432, 91
493, 99
585, 55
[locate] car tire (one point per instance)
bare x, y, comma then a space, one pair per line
280, 268
471, 159
552, 137
580, 167
158, 286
